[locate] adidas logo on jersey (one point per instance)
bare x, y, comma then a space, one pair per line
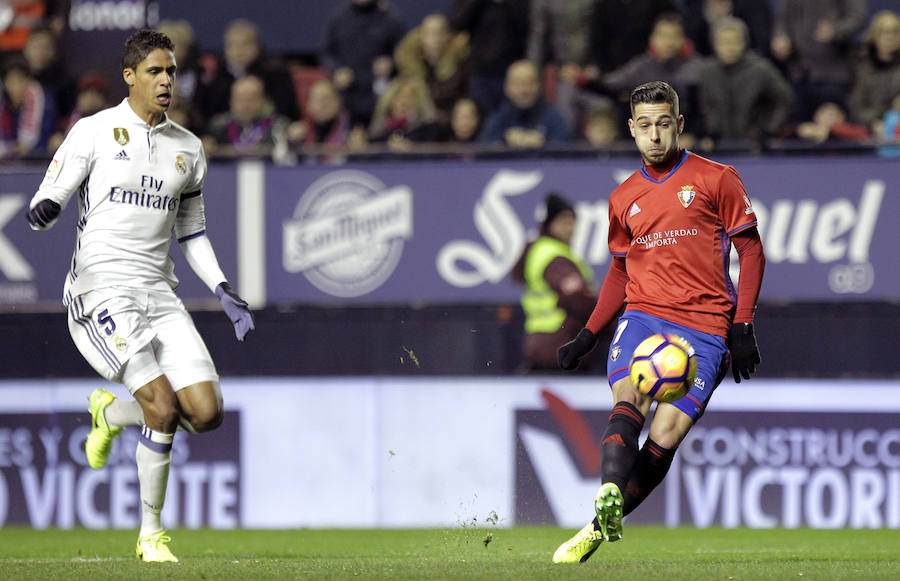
122, 156
634, 210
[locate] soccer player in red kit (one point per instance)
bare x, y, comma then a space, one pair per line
671, 227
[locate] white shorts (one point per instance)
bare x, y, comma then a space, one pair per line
111, 325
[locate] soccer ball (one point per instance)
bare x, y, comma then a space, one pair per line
664, 367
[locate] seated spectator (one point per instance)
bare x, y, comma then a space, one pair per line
700, 17
877, 72
602, 128
829, 123
669, 57
813, 40
189, 72
405, 114
525, 120
465, 121
244, 56
26, 114
434, 53
42, 55
325, 121
360, 39
619, 30
252, 127
742, 95
91, 97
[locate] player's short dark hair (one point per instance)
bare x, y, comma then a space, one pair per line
142, 43
654, 92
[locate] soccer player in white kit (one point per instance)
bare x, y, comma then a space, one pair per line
138, 177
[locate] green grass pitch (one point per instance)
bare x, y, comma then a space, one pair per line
461, 553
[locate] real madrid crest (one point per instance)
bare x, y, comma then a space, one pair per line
121, 135
180, 165
686, 195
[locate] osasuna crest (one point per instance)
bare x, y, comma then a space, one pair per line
121, 135
686, 195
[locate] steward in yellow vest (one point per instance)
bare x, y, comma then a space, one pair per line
558, 296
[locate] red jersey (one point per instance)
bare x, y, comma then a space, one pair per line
674, 229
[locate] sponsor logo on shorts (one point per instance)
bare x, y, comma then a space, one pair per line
614, 353
347, 232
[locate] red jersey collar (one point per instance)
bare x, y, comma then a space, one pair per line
660, 174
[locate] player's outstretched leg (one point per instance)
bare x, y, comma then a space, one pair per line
579, 548
99, 440
608, 505
154, 548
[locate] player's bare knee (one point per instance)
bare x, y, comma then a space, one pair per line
206, 418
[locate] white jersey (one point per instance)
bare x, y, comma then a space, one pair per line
135, 184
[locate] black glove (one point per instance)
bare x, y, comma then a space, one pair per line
237, 310
570, 354
744, 352
42, 214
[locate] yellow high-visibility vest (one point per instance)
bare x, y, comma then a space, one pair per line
539, 301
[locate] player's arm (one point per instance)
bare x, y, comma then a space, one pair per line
609, 301
69, 168
741, 338
739, 219
190, 230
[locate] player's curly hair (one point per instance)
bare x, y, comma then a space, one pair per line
142, 43
654, 92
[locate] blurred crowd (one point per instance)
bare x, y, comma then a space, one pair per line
504, 74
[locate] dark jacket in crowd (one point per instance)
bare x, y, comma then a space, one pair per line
542, 117
876, 83
498, 32
214, 96
620, 29
746, 100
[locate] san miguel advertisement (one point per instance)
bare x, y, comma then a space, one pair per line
451, 231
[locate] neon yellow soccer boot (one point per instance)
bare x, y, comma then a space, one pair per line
608, 505
99, 440
155, 548
579, 548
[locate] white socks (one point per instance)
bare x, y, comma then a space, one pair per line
121, 413
154, 455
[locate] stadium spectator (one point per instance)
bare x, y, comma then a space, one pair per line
669, 279
498, 33
742, 96
669, 57
27, 115
620, 28
436, 54
325, 120
700, 17
889, 130
252, 126
189, 73
465, 121
813, 40
91, 97
602, 127
877, 71
42, 55
405, 114
360, 39
525, 120
244, 56
829, 123
559, 295
559, 35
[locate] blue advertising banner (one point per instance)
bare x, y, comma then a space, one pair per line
450, 231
